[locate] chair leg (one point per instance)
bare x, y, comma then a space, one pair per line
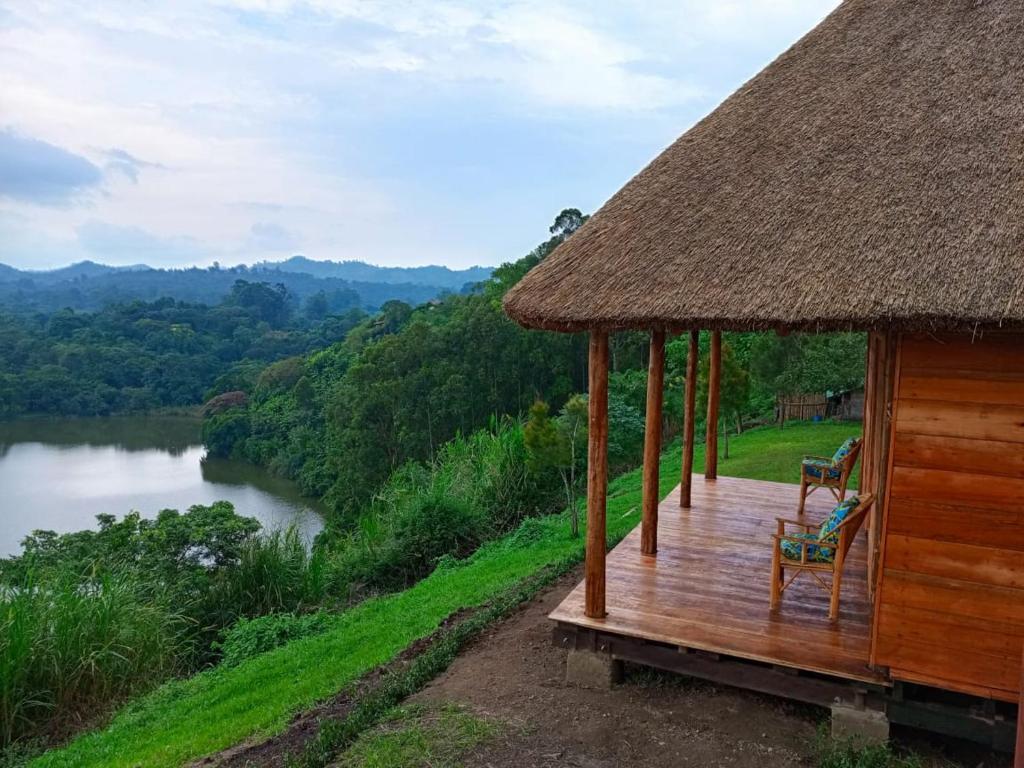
833, 608
803, 495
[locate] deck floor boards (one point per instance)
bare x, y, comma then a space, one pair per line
707, 587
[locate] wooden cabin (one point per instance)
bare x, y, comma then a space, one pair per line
871, 178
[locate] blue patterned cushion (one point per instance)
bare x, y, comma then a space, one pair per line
844, 450
827, 532
815, 554
814, 468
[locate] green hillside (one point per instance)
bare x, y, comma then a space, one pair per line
188, 719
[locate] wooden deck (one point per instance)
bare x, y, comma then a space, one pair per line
707, 587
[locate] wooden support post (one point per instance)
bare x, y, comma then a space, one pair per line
597, 476
652, 443
1018, 754
714, 390
689, 417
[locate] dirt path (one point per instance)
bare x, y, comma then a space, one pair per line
515, 675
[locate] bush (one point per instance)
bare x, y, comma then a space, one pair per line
251, 637
431, 527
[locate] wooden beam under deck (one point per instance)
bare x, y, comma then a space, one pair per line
708, 588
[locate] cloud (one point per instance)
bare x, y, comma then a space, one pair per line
34, 171
134, 245
120, 161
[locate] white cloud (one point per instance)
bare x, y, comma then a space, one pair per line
251, 115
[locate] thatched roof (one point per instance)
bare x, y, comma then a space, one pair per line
872, 176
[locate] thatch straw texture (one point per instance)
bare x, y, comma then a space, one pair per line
872, 176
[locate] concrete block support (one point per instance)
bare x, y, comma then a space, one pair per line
592, 669
859, 724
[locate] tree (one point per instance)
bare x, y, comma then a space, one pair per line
734, 390
270, 304
808, 363
556, 443
316, 306
567, 222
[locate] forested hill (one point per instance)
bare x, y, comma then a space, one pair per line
145, 355
359, 271
88, 286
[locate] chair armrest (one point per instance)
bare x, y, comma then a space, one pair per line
798, 523
804, 542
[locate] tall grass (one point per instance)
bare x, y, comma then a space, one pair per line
274, 572
69, 647
72, 645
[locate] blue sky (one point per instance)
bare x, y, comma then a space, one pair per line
398, 133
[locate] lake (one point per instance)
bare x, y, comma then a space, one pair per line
58, 474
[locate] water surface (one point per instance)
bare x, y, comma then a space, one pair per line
58, 474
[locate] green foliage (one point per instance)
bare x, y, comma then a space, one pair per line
273, 572
279, 377
222, 432
477, 488
808, 363
67, 648
169, 546
144, 355
266, 303
400, 386
250, 637
89, 617
625, 434
559, 444
546, 444
427, 528
344, 287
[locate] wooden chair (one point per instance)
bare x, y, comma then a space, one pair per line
818, 554
829, 472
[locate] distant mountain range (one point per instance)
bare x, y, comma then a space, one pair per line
90, 286
455, 279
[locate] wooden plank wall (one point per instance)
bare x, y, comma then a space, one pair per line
951, 604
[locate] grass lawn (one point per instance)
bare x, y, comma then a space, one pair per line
419, 736
187, 719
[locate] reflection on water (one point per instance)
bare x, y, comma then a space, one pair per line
59, 474
172, 434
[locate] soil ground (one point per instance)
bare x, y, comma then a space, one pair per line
515, 676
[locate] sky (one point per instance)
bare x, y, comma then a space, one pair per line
398, 133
